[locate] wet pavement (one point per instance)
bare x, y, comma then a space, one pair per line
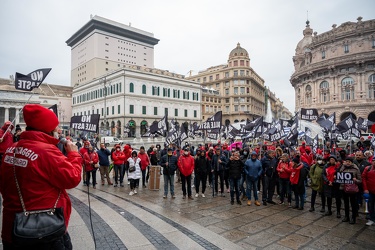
147, 221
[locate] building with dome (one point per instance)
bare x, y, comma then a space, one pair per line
237, 90
335, 70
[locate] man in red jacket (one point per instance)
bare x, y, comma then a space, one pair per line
118, 158
6, 137
83, 151
145, 163
368, 182
42, 171
186, 166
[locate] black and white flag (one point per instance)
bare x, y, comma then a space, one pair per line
250, 125
363, 124
308, 136
88, 123
275, 133
315, 144
212, 123
30, 81
159, 127
348, 127
54, 109
329, 122
309, 114
257, 130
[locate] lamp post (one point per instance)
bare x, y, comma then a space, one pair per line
104, 81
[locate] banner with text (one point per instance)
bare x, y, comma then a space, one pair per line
88, 123
32, 80
309, 114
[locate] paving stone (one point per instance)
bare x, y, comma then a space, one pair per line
266, 211
254, 227
328, 242
209, 220
262, 239
299, 221
235, 235
283, 229
294, 241
312, 231
205, 212
276, 219
250, 217
225, 215
328, 222
344, 231
230, 224
216, 229
276, 247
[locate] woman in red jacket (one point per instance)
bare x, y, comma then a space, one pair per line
145, 162
186, 166
91, 160
118, 158
284, 168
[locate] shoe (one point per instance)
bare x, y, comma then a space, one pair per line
203, 195
244, 198
257, 203
264, 203
295, 207
312, 209
144, 186
346, 219
121, 185
131, 193
196, 195
94, 187
338, 216
135, 191
328, 213
173, 197
370, 223
190, 197
164, 197
249, 202
322, 210
232, 202
102, 183
289, 205
128, 182
115, 185
110, 183
300, 208
239, 202
271, 202
352, 221
281, 203
84, 184
222, 195
184, 197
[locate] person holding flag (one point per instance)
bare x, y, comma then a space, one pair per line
6, 137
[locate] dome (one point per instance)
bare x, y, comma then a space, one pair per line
306, 40
238, 51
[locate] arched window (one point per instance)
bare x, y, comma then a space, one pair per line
131, 87
371, 78
308, 94
371, 86
324, 91
132, 126
347, 88
143, 89
144, 127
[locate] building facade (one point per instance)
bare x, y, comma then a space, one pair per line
235, 88
103, 45
137, 96
335, 70
12, 101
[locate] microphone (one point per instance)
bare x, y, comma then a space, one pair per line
63, 141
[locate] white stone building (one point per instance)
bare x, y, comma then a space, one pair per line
137, 96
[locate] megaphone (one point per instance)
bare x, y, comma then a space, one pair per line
366, 197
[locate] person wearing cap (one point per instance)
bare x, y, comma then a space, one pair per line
284, 169
201, 167
316, 175
169, 164
298, 176
83, 151
218, 165
46, 175
90, 159
6, 137
332, 189
103, 154
302, 148
253, 170
186, 166
269, 165
368, 182
235, 169
134, 176
118, 158
349, 167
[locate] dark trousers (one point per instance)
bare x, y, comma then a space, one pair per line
371, 206
338, 202
88, 174
285, 189
186, 180
314, 193
219, 174
134, 183
63, 243
200, 178
119, 170
352, 198
144, 177
268, 184
234, 187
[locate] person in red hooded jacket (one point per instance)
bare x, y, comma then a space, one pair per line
43, 174
186, 166
90, 159
83, 151
118, 158
128, 153
307, 157
145, 163
6, 137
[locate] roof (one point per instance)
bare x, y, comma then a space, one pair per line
238, 51
103, 24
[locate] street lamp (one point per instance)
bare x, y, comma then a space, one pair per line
104, 81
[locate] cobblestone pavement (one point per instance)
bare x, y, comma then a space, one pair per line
147, 221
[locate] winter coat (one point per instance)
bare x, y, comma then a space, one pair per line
368, 179
297, 179
118, 157
215, 165
269, 166
153, 158
138, 172
46, 172
362, 164
7, 140
316, 175
186, 164
145, 160
201, 165
284, 169
253, 169
351, 169
329, 173
172, 164
103, 156
87, 158
235, 169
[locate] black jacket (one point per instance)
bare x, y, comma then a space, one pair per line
269, 166
172, 164
235, 169
201, 166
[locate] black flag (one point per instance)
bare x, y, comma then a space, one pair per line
159, 127
363, 124
89, 123
315, 144
309, 114
30, 81
308, 136
212, 123
54, 109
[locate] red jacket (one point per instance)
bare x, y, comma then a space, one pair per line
145, 160
308, 158
46, 173
186, 164
368, 179
294, 175
8, 138
284, 169
87, 158
118, 157
128, 152
83, 151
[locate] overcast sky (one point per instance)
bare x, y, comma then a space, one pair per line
194, 34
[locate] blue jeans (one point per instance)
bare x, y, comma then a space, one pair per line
234, 184
251, 185
371, 207
119, 169
285, 190
168, 179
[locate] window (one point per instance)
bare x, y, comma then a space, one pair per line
204, 79
113, 110
185, 113
235, 82
131, 87
217, 76
165, 111
143, 110
175, 112
242, 72
143, 89
226, 91
323, 54
235, 108
346, 48
242, 90
195, 113
324, 91
227, 109
242, 62
102, 112
347, 88
235, 90
235, 63
131, 109
371, 78
308, 94
227, 84
211, 78
235, 73
107, 110
373, 42
347, 81
226, 74
118, 109
155, 110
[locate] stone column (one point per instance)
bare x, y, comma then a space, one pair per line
17, 121
6, 114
